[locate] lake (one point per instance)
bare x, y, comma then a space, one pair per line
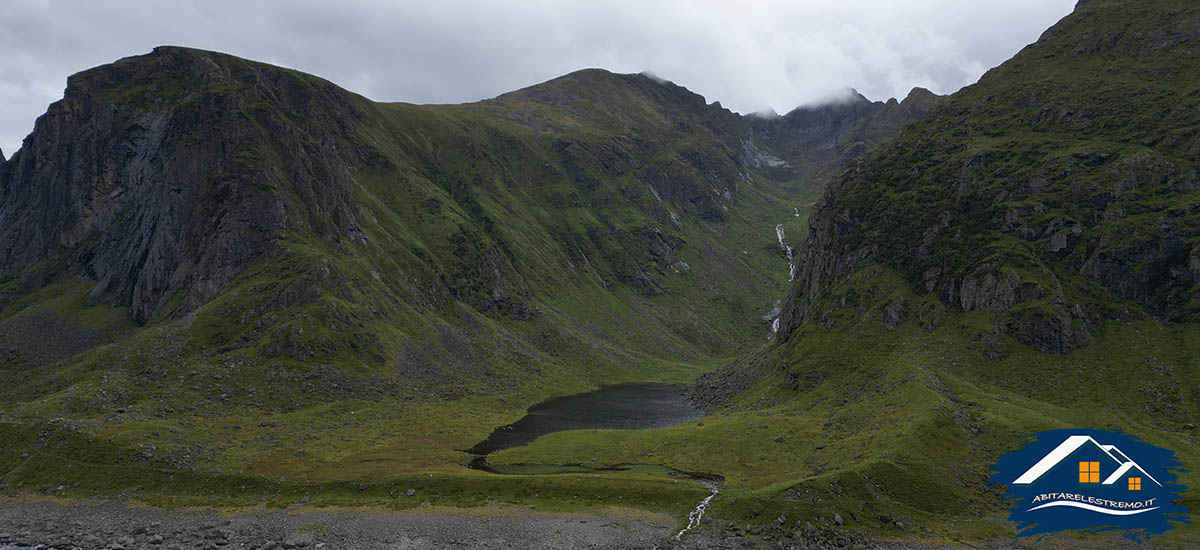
633, 406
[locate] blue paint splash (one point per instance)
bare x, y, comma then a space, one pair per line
1064, 478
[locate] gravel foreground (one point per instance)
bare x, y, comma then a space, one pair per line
118, 526
112, 525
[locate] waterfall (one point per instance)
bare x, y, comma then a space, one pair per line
697, 514
779, 234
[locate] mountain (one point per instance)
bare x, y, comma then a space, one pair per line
821, 139
224, 283
166, 181
1024, 258
236, 273
1055, 200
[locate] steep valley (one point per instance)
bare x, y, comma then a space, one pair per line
231, 285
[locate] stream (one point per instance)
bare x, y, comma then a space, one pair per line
698, 512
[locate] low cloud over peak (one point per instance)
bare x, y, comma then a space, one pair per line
751, 56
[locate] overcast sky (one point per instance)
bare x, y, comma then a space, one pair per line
748, 54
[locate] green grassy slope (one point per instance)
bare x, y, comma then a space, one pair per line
279, 290
474, 260
1021, 260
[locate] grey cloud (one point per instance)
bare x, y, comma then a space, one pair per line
750, 54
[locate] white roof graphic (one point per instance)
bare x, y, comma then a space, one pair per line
1124, 469
1072, 444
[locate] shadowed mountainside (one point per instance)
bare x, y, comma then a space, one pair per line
241, 274
1023, 259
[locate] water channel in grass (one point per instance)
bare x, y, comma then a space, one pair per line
634, 406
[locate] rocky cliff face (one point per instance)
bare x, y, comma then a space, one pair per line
162, 177
820, 140
280, 218
1058, 192
289, 220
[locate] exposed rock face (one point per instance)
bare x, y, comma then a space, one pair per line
152, 176
1012, 199
320, 225
820, 140
893, 313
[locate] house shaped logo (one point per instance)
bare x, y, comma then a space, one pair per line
1091, 480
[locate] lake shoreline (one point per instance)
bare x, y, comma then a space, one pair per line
627, 406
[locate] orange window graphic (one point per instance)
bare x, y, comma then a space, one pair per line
1135, 484
1089, 472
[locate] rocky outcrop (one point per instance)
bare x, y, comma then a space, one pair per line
893, 313
1011, 198
163, 176
320, 225
819, 140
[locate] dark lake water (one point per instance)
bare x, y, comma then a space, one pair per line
637, 406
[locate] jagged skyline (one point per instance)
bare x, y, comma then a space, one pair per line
748, 56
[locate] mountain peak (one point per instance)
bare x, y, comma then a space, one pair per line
168, 74
1113, 73
766, 114
919, 93
594, 84
182, 143
643, 100
854, 96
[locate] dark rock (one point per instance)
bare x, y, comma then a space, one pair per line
930, 315
893, 313
146, 211
1050, 331
1001, 241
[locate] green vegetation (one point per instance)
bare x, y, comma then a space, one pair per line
454, 265
1016, 262
1073, 166
881, 425
496, 254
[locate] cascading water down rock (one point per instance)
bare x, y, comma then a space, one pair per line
786, 250
698, 513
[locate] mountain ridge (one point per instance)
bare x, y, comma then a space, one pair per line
221, 251
1019, 258
189, 213
1000, 288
